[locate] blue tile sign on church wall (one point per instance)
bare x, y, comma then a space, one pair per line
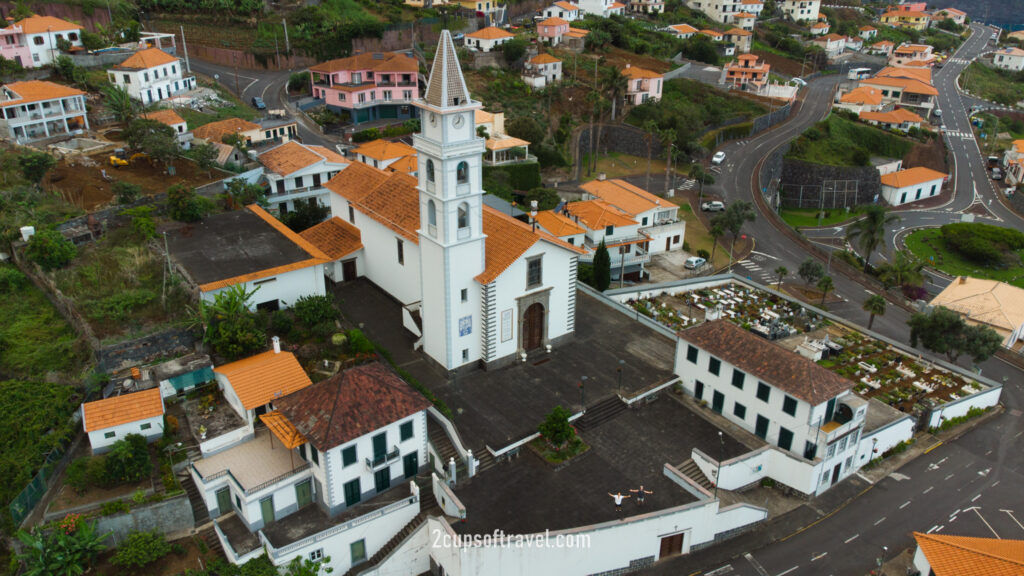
465, 325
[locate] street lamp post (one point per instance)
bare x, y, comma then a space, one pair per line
721, 454
832, 248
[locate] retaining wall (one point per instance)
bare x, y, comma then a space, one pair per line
802, 185
172, 517
170, 343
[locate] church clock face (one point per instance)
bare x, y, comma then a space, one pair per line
433, 119
458, 121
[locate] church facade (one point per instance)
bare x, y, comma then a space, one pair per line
479, 287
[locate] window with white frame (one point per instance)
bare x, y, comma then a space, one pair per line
316, 555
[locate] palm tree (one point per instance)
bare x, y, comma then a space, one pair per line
592, 98
650, 131
826, 286
667, 138
600, 106
119, 102
875, 306
904, 269
615, 84
736, 215
781, 272
717, 230
868, 233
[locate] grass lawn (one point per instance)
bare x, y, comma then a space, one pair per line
953, 263
35, 338
697, 235
808, 217
615, 165
839, 141
1000, 86
236, 109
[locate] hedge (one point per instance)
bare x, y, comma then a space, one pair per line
521, 176
734, 132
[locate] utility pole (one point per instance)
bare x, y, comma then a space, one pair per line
109, 15
237, 92
188, 67
287, 45
277, 52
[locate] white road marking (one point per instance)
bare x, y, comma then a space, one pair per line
955, 513
1010, 512
763, 254
880, 520
819, 556
948, 477
787, 571
851, 539
727, 569
757, 565
932, 529
975, 498
928, 490
905, 504
996, 483
975, 508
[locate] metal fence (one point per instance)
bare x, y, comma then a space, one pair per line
29, 497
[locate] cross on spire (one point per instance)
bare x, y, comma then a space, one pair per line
446, 87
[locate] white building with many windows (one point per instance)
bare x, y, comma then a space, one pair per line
911, 185
151, 75
43, 36
35, 109
658, 219
295, 171
801, 10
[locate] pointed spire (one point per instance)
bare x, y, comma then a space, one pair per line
446, 86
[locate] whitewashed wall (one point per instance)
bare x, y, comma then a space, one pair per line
101, 444
285, 288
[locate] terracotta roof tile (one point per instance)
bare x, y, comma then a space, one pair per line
745, 15
567, 6
260, 379
507, 240
36, 24
283, 429
868, 29
384, 150
782, 368
713, 33
738, 32
598, 214
683, 29
291, 157
490, 33
616, 6
123, 409
862, 95
215, 131
408, 164
636, 73
36, 91
626, 197
911, 177
907, 84
395, 203
996, 303
383, 62
577, 32
356, 181
481, 116
921, 74
557, 224
505, 142
553, 21
165, 116
350, 404
544, 58
328, 154
831, 38
967, 556
896, 116
335, 237
148, 58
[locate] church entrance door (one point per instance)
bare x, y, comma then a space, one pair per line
533, 327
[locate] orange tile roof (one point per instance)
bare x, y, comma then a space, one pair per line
912, 48
164, 116
751, 2
966, 556
490, 33
382, 62
906, 84
831, 38
123, 409
819, 25
577, 32
882, 44
616, 6
954, 11
1018, 146
862, 95
558, 224
316, 256
745, 15
36, 24
215, 131
712, 33
1011, 52
285, 431
481, 116
395, 203
507, 240
897, 116
868, 29
738, 32
505, 142
148, 58
356, 181
598, 214
626, 197
684, 28
36, 91
328, 154
407, 164
384, 150
553, 21
291, 157
567, 6
636, 72
922, 74
544, 58
259, 379
335, 237
911, 177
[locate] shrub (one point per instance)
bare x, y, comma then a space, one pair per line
704, 254
143, 225
323, 330
358, 343
126, 192
11, 280
983, 243
280, 322
76, 475
128, 460
299, 82
115, 507
556, 428
140, 549
184, 205
50, 249
313, 310
35, 165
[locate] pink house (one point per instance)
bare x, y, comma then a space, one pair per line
552, 30
643, 85
13, 45
368, 86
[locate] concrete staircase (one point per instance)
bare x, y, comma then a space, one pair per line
439, 438
600, 413
199, 511
212, 542
394, 542
692, 471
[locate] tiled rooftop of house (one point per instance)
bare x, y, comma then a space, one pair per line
950, 555
252, 463
148, 58
376, 61
122, 409
215, 131
35, 91
292, 156
335, 237
507, 240
260, 379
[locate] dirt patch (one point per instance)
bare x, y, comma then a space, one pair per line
619, 58
80, 181
931, 154
783, 65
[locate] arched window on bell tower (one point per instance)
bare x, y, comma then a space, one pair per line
430, 170
462, 173
463, 220
431, 218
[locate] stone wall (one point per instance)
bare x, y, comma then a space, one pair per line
1017, 202
100, 59
169, 343
172, 517
802, 185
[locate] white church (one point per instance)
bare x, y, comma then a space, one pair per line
477, 286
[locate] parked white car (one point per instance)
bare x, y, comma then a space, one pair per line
713, 206
694, 262
718, 158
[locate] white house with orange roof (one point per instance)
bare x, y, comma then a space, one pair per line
906, 90
111, 419
1009, 59
745, 20
603, 8
911, 55
882, 48
911, 185
295, 171
958, 17
565, 10
542, 70
860, 99
916, 20
867, 32
855, 43
175, 121
740, 38
151, 75
800, 10
382, 153
502, 148
747, 73
342, 243
684, 31
251, 385
1013, 163
487, 39
819, 28
42, 34
658, 218
36, 109
551, 30
477, 286
561, 226
727, 11
642, 85
832, 44
628, 248
896, 119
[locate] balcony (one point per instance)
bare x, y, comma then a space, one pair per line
252, 466
380, 460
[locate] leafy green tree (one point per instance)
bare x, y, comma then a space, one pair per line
10, 68
875, 306
93, 41
141, 549
716, 231
868, 233
238, 193
546, 198
34, 165
980, 342
735, 216
904, 269
299, 82
50, 249
615, 84
22, 10
526, 128
556, 428
811, 271
126, 192
602, 268
780, 272
514, 49
313, 310
120, 103
143, 224
184, 205
306, 215
300, 566
128, 460
231, 328
205, 156
939, 331
825, 285
700, 48
68, 550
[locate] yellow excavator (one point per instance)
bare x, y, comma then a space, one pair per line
121, 158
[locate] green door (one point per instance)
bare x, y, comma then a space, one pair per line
411, 463
761, 429
352, 492
717, 401
388, 111
223, 500
267, 508
304, 493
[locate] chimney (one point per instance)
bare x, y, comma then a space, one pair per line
963, 279
277, 344
27, 232
627, 65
